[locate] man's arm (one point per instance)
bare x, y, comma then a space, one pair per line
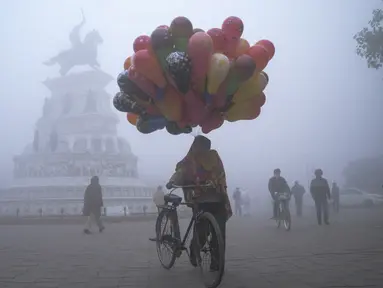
271, 187
312, 188
327, 188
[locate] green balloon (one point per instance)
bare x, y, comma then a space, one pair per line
233, 83
181, 44
161, 55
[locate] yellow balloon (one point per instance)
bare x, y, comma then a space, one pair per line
218, 70
246, 110
254, 86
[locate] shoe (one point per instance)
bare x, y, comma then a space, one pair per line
192, 258
101, 229
86, 231
327, 223
154, 239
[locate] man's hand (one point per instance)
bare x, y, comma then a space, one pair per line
169, 185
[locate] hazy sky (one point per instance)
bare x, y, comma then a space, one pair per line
323, 104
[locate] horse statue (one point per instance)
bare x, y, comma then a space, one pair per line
82, 52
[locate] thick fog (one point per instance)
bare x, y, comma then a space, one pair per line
323, 104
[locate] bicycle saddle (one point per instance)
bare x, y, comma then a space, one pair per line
174, 199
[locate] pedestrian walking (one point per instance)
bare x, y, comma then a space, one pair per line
92, 205
237, 196
335, 197
320, 192
298, 191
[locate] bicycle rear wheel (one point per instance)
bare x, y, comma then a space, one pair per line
209, 241
166, 240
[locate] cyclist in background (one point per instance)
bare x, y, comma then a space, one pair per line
201, 165
277, 185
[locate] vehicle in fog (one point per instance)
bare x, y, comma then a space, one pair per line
353, 197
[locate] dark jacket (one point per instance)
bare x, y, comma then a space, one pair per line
298, 191
278, 185
93, 199
319, 189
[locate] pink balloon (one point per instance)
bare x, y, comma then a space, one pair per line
196, 111
218, 38
144, 84
200, 50
213, 121
233, 27
230, 47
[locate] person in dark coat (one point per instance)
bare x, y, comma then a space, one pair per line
237, 196
320, 191
298, 190
92, 205
335, 196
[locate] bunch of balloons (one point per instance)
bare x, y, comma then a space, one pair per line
180, 78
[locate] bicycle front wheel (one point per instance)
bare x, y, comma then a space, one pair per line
209, 242
286, 217
166, 241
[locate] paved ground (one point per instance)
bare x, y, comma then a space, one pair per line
349, 253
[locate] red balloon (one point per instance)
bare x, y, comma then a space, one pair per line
195, 108
259, 55
233, 27
181, 27
218, 38
146, 64
141, 43
213, 121
144, 84
269, 46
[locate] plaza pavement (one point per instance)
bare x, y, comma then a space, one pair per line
348, 253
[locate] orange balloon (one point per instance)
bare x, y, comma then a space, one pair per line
259, 55
147, 65
172, 104
132, 118
128, 63
242, 46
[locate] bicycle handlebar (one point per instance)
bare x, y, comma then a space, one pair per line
208, 184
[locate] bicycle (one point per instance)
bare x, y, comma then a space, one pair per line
172, 237
283, 211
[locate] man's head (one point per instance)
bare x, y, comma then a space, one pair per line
94, 180
200, 144
159, 188
318, 173
277, 173
296, 182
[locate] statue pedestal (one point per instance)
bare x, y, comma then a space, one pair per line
53, 176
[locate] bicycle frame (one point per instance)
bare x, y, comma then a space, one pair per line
174, 215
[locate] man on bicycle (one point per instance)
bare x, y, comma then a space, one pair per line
201, 165
277, 185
